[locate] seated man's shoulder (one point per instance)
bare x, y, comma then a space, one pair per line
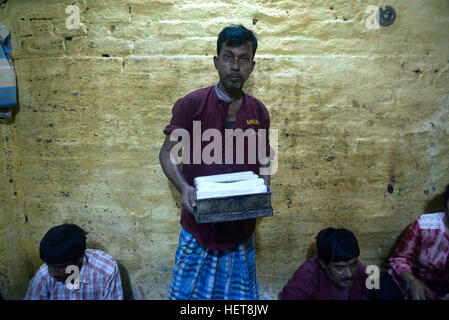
309, 267
42, 272
303, 284
101, 261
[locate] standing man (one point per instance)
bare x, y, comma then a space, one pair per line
216, 260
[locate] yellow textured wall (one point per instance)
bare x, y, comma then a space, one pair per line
356, 109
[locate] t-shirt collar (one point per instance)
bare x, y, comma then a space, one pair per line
221, 95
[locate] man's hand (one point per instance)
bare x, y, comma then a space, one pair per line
419, 291
188, 198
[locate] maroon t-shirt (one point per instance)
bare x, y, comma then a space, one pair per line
204, 105
309, 282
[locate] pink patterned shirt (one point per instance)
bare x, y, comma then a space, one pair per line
99, 280
424, 251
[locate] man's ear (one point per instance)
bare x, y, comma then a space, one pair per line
216, 62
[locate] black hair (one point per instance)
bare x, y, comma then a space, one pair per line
336, 245
445, 199
64, 243
235, 36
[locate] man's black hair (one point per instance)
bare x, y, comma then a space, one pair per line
445, 199
235, 36
61, 244
336, 245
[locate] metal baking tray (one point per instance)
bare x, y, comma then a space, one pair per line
230, 208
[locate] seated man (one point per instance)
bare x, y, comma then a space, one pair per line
420, 262
72, 272
335, 274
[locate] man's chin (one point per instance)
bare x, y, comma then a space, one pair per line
232, 86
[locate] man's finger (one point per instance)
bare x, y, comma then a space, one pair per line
187, 206
192, 200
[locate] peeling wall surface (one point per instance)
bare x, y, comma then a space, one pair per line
362, 116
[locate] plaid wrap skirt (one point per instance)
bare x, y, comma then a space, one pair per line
204, 274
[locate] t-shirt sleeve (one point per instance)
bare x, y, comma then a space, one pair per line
182, 115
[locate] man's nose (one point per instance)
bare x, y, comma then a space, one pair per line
235, 64
348, 272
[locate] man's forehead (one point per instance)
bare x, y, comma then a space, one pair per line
246, 47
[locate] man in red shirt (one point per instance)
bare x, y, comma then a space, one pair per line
336, 274
216, 260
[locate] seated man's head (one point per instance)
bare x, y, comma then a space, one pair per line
338, 251
62, 246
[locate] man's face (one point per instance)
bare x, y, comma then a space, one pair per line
58, 271
234, 65
341, 274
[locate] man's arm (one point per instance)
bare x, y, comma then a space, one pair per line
174, 174
403, 260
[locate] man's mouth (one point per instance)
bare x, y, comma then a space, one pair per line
235, 77
347, 281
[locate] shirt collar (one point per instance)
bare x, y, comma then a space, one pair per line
221, 95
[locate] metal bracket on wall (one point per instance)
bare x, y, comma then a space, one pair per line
387, 16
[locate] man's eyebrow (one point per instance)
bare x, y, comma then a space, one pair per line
340, 263
229, 51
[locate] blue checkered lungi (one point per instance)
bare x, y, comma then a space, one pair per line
204, 274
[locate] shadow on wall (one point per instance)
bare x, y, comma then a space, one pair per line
124, 275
